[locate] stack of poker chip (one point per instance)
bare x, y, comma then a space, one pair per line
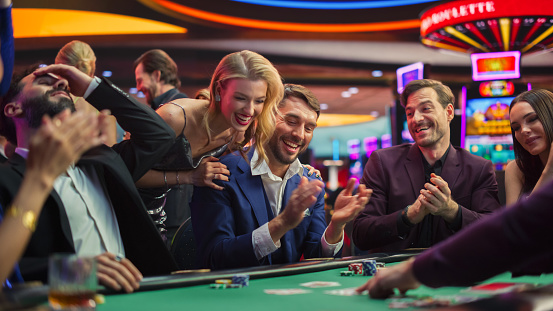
241, 279
346, 273
369, 267
357, 268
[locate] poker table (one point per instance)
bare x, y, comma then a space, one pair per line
193, 292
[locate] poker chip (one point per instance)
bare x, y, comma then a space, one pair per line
218, 286
356, 268
241, 279
223, 281
346, 273
380, 265
369, 267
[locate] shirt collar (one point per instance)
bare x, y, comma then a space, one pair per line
440, 162
263, 168
165, 97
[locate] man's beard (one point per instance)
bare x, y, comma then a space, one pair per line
279, 155
150, 95
35, 108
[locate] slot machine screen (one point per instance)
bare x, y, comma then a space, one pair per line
487, 129
495, 66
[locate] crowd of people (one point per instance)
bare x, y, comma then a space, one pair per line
228, 160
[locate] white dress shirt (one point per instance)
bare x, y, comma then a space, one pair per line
274, 186
92, 220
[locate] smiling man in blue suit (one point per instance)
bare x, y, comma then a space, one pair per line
272, 212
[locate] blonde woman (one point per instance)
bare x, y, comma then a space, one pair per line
80, 55
244, 92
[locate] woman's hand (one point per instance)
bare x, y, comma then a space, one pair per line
209, 169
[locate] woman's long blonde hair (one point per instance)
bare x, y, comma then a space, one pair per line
252, 66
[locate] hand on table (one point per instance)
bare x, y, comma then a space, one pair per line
383, 283
117, 273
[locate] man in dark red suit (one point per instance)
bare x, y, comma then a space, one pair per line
519, 236
425, 192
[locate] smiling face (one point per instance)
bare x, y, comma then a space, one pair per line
43, 95
427, 120
528, 128
294, 129
242, 101
146, 83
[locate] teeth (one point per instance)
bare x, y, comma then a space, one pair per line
291, 144
243, 118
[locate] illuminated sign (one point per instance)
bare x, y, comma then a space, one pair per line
457, 12
496, 88
407, 74
495, 66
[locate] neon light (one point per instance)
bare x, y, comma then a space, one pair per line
495, 66
463, 37
37, 23
538, 39
409, 73
334, 5
505, 26
442, 45
463, 115
284, 26
477, 32
462, 11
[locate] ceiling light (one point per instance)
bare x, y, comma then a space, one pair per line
346, 94
377, 73
324, 106
353, 90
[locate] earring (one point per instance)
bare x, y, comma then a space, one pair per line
217, 97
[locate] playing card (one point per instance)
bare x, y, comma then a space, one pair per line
342, 292
287, 291
499, 287
316, 284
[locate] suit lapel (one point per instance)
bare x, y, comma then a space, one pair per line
415, 169
452, 168
252, 187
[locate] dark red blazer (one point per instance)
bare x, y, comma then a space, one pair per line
396, 175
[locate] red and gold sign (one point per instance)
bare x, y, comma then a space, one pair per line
477, 26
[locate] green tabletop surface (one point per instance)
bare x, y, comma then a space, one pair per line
253, 297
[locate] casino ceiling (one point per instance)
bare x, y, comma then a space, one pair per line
331, 46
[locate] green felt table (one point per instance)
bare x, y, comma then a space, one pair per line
253, 297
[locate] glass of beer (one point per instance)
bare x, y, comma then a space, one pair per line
72, 282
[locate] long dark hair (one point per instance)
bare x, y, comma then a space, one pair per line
530, 165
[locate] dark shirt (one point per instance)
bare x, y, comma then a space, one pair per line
167, 97
425, 238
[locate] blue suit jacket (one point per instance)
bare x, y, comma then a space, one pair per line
223, 221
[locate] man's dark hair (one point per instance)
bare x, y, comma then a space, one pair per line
445, 96
7, 127
303, 93
159, 60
